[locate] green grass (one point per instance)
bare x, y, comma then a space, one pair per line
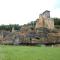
29, 53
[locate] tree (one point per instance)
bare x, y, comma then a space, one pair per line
57, 21
9, 27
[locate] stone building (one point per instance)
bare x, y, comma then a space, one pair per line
44, 21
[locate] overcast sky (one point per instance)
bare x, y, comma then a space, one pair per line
23, 11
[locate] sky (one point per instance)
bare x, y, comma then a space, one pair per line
24, 11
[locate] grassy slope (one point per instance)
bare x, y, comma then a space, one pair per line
29, 53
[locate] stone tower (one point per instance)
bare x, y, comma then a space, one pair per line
44, 21
46, 14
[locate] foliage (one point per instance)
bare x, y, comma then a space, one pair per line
57, 21
32, 24
9, 27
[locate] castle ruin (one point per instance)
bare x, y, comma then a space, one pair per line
44, 21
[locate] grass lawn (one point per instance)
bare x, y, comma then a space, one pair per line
29, 53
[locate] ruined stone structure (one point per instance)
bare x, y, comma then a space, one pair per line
29, 34
44, 21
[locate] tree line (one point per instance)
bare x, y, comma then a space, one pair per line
32, 23
9, 27
57, 21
